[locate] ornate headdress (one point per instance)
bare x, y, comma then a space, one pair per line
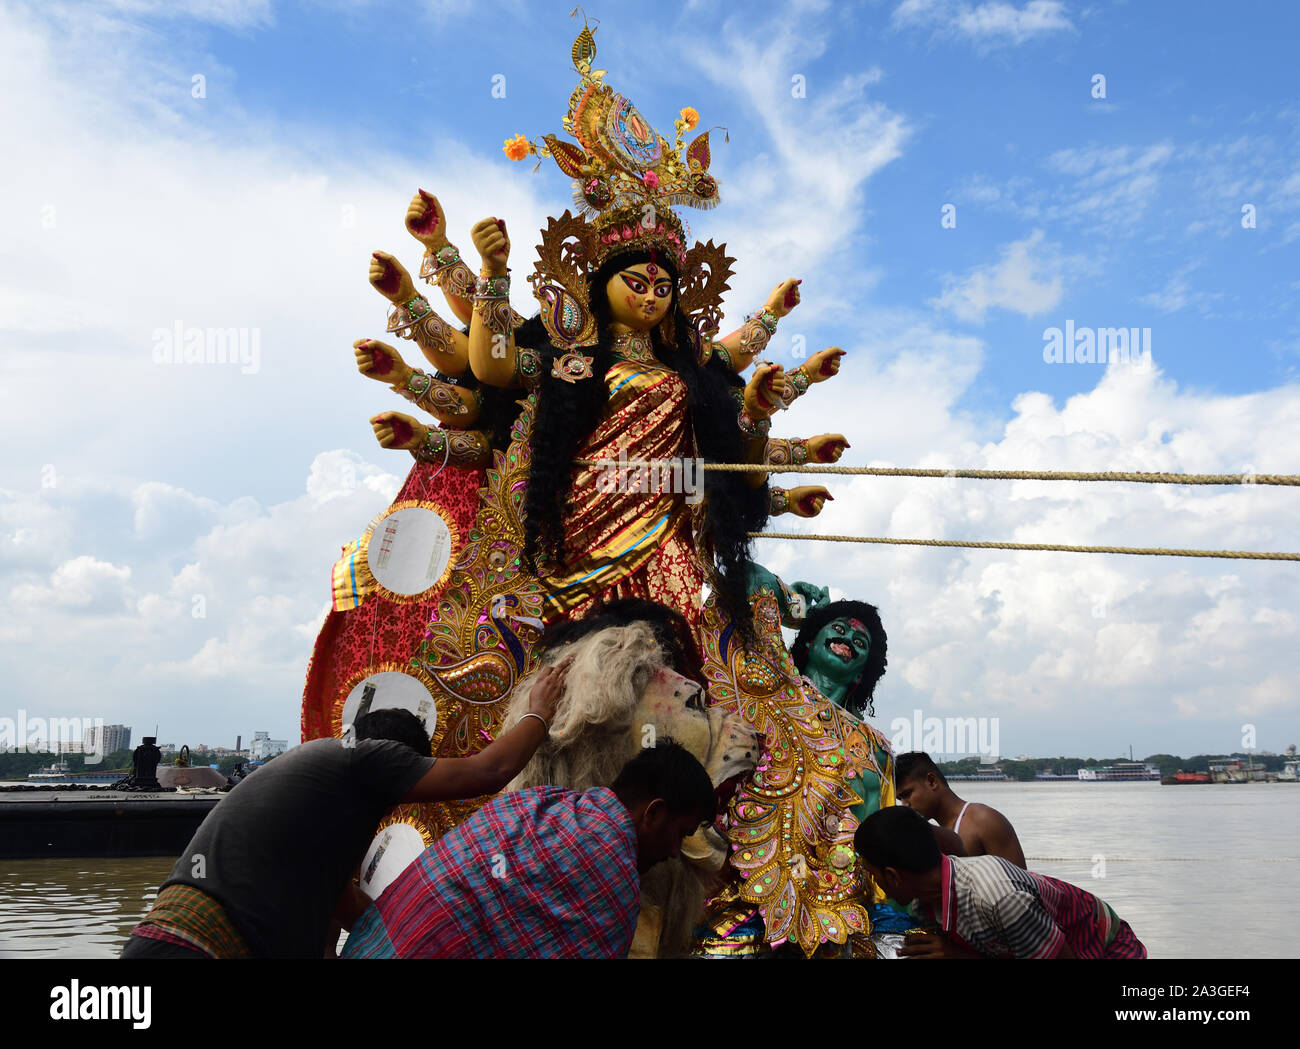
626, 178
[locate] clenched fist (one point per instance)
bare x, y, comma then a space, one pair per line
826, 447
492, 244
425, 220
807, 500
378, 360
823, 364
766, 391
784, 298
395, 430
390, 278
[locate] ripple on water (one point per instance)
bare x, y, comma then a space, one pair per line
63, 908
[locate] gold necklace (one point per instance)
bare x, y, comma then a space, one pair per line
634, 346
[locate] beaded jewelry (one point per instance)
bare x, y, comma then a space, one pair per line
419, 383
435, 262
492, 303
752, 428
407, 314
634, 346
528, 366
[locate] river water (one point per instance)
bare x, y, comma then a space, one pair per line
1197, 871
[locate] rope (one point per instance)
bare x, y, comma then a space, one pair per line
1138, 550
1003, 475
1163, 859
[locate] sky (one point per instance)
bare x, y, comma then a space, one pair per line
951, 179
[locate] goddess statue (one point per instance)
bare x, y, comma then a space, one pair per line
558, 478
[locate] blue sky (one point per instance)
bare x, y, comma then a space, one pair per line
139, 206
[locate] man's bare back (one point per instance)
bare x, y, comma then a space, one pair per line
985, 831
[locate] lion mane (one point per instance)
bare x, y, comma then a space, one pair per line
594, 734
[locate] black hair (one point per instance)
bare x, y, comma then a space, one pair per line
915, 763
897, 837
859, 699
669, 626
396, 724
568, 412
671, 772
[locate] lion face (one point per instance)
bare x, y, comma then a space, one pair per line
673, 705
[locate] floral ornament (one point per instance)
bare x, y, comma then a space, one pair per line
690, 117
518, 147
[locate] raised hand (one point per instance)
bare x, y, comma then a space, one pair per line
826, 447
378, 360
549, 687
814, 596
765, 391
390, 278
823, 364
492, 244
807, 500
395, 430
784, 298
425, 220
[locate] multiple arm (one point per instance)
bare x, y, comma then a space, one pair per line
489, 351
448, 351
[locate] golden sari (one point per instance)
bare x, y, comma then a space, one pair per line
629, 530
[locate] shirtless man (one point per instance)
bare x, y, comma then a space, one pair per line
984, 831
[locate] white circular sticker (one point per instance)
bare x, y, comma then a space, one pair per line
394, 849
409, 550
391, 688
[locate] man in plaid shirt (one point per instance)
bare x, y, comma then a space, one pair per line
985, 906
542, 873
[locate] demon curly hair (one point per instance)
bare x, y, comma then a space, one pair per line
567, 413
859, 700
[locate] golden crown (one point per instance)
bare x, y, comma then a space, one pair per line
626, 176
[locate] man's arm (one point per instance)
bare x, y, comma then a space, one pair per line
996, 834
949, 841
503, 759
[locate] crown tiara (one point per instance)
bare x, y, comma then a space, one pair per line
626, 176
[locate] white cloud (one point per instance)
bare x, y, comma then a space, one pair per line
1026, 280
985, 24
84, 583
1178, 293
795, 201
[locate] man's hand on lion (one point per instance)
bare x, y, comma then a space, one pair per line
546, 692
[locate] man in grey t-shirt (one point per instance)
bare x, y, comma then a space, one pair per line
264, 872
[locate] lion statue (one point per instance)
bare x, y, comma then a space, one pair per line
628, 687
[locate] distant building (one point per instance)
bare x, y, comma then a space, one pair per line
107, 739
263, 747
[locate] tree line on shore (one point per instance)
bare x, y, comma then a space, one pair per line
1168, 764
16, 765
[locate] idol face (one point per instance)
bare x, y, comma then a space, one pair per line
840, 649
639, 295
